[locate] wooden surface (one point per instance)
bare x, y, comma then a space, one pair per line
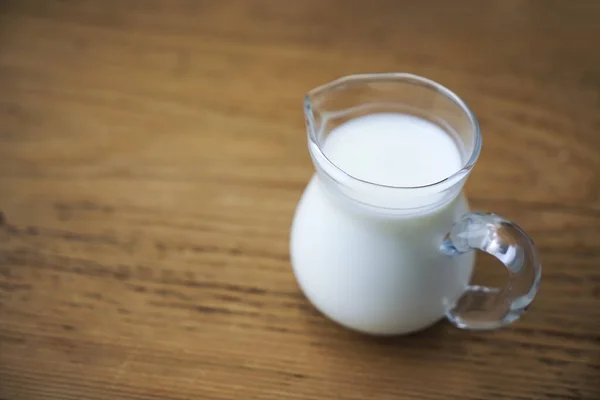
151, 157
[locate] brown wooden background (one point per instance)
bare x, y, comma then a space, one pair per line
151, 156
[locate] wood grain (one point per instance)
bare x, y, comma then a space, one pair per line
151, 157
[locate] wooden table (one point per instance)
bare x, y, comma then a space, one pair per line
151, 157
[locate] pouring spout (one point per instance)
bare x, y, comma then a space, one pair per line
309, 115
323, 101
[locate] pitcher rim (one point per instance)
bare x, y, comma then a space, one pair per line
396, 76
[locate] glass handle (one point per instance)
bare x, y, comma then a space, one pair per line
483, 307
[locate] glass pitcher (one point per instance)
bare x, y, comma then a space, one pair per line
387, 259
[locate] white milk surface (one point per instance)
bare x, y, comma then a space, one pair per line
381, 275
393, 150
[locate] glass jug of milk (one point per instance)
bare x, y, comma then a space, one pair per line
382, 240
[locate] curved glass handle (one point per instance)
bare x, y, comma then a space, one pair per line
482, 307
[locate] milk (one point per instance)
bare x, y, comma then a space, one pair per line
393, 150
374, 271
